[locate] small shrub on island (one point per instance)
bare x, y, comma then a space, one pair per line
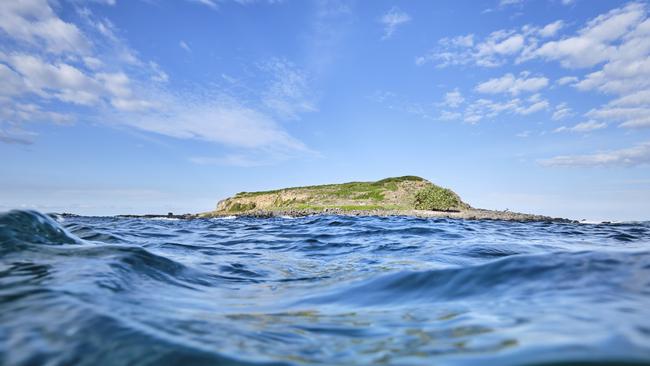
434, 198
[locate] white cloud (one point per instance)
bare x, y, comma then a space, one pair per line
499, 44
488, 109
116, 83
11, 133
14, 115
636, 155
588, 126
70, 84
449, 115
566, 80
472, 118
510, 2
12, 83
459, 41
535, 107
209, 3
619, 76
16, 112
393, 19
184, 46
453, 99
620, 39
583, 127
614, 47
511, 84
62, 81
630, 117
551, 29
287, 94
469, 111
575, 52
593, 44
132, 105
123, 89
93, 63
34, 22
214, 4
614, 24
562, 111
157, 73
639, 98
222, 120
492, 51
621, 33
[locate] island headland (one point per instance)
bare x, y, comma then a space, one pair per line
396, 196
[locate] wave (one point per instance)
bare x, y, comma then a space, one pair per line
514, 277
232, 217
321, 290
119, 264
19, 227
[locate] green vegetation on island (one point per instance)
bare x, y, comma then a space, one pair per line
406, 196
395, 194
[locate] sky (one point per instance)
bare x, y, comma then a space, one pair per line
153, 106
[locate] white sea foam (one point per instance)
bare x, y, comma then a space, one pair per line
597, 222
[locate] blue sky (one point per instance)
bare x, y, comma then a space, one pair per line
115, 106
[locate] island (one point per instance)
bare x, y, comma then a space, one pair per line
396, 196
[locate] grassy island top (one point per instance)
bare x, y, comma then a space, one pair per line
397, 193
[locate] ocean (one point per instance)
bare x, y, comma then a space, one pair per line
321, 290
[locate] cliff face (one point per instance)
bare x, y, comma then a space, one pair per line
399, 193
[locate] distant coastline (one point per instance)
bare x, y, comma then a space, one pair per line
396, 196
468, 214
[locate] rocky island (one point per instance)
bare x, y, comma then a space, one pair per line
406, 196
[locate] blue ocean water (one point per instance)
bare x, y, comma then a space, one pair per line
321, 290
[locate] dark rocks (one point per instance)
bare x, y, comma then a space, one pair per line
470, 214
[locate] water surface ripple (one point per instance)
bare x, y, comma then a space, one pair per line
321, 290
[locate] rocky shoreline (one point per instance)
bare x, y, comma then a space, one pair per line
469, 214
